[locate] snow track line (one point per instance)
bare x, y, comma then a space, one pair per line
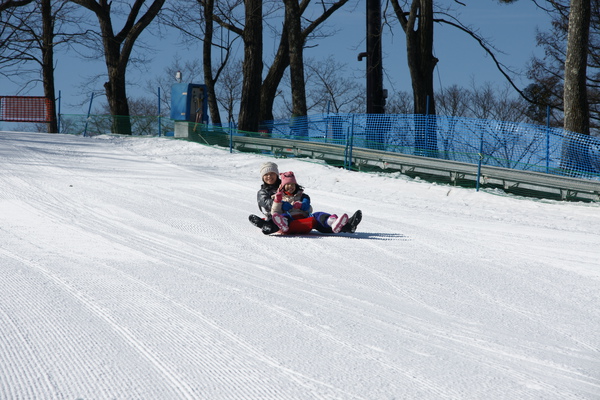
150, 238
180, 386
25, 385
154, 244
299, 378
496, 348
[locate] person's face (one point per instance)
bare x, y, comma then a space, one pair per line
270, 178
289, 187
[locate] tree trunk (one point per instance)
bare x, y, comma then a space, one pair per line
47, 48
296, 45
575, 151
252, 68
282, 58
117, 50
577, 116
116, 94
421, 63
375, 98
207, 59
274, 76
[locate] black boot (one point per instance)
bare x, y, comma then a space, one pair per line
352, 222
269, 227
256, 221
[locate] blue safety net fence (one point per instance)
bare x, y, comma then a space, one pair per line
505, 144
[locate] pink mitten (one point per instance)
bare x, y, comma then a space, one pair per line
278, 197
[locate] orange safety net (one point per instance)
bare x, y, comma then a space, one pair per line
25, 109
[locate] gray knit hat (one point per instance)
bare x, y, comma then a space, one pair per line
268, 167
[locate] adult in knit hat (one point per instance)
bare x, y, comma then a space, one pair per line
267, 168
269, 174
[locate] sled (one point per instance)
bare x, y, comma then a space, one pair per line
300, 226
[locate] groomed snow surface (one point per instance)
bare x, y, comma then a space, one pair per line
129, 270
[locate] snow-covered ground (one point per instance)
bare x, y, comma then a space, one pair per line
129, 270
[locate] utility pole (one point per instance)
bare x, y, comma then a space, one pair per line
375, 92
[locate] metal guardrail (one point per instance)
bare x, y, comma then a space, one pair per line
544, 185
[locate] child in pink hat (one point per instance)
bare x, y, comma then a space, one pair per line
290, 202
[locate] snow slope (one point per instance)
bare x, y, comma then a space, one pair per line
129, 270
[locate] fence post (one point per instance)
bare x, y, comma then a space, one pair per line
58, 116
480, 161
230, 136
347, 138
349, 143
159, 118
346, 149
88, 115
427, 128
547, 139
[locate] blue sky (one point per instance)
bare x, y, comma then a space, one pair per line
511, 29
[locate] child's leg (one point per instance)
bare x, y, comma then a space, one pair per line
269, 227
321, 222
337, 223
282, 221
329, 223
353, 222
256, 220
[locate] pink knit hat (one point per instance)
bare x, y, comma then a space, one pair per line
287, 177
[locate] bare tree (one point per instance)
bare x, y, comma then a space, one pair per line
399, 103
296, 45
117, 48
199, 26
229, 88
249, 118
417, 24
225, 16
251, 34
281, 60
29, 35
329, 89
548, 73
482, 102
575, 90
209, 80
453, 101
489, 102
6, 4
